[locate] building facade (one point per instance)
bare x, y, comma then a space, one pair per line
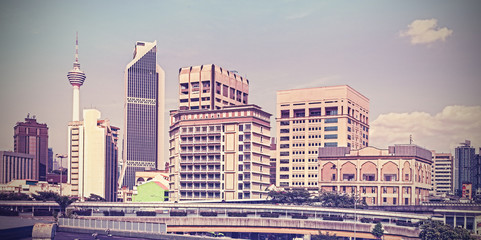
151, 186
14, 166
442, 174
399, 175
465, 166
93, 155
219, 154
306, 119
143, 142
273, 162
31, 137
210, 87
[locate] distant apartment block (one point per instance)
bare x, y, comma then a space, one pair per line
210, 87
93, 156
15, 166
399, 175
306, 119
219, 153
442, 173
31, 137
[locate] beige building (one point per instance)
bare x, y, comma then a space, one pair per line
443, 173
30, 187
306, 119
15, 165
93, 156
219, 154
399, 175
211, 87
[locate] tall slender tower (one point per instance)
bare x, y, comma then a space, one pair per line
143, 142
76, 78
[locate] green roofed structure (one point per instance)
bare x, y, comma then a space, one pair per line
151, 191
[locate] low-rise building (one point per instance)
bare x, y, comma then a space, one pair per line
399, 175
15, 165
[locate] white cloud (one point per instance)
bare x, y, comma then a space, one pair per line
441, 132
426, 31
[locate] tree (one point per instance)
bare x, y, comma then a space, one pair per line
436, 230
321, 236
45, 196
95, 198
63, 202
377, 231
297, 196
9, 196
334, 199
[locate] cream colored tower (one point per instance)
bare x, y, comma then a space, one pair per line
309, 118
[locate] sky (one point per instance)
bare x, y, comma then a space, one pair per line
419, 62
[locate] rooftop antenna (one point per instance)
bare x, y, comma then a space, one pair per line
411, 139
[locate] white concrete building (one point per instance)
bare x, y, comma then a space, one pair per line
92, 153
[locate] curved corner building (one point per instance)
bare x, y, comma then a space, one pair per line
144, 113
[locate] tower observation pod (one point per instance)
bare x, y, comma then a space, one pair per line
76, 77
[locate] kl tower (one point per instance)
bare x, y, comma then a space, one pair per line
76, 78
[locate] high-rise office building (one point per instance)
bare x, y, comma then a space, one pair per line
15, 166
31, 137
50, 160
464, 167
211, 87
76, 77
399, 175
442, 173
220, 153
306, 119
94, 155
143, 142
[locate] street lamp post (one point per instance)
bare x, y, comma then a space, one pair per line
61, 169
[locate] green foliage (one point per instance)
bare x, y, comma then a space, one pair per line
64, 202
334, 199
435, 230
45, 196
377, 231
321, 236
9, 196
297, 196
95, 198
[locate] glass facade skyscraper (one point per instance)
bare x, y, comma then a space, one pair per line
464, 166
144, 113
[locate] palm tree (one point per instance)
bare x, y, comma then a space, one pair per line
64, 202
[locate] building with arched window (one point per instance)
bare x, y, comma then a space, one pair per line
399, 175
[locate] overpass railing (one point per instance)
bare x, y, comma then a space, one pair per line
112, 225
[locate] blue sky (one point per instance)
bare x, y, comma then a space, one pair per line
428, 89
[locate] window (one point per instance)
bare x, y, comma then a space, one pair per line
333, 128
330, 120
330, 136
330, 144
331, 111
284, 138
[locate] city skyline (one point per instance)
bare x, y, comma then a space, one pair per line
416, 64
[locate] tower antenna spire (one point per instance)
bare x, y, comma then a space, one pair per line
76, 47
